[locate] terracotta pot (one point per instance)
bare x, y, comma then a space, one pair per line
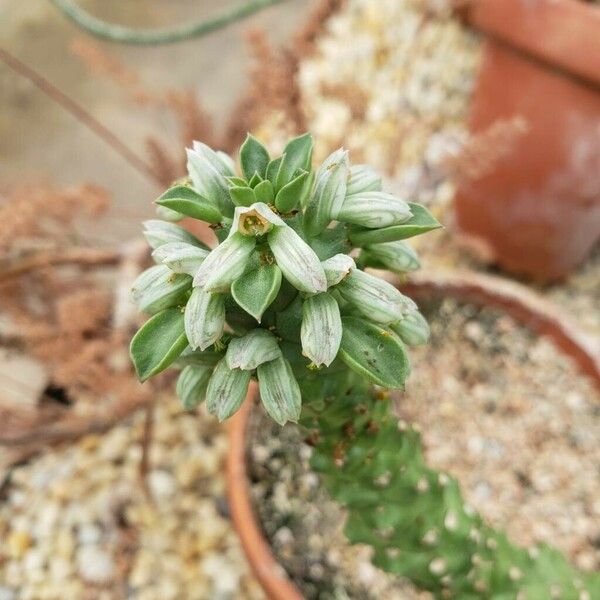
538, 211
525, 306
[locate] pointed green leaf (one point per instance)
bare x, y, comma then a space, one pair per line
297, 155
191, 385
272, 170
337, 268
242, 196
279, 390
264, 192
236, 181
159, 341
226, 391
290, 195
376, 353
198, 358
255, 180
255, 290
253, 349
421, 222
254, 157
186, 201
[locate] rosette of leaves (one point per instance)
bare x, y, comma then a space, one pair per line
281, 287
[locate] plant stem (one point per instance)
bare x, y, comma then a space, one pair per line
168, 35
79, 113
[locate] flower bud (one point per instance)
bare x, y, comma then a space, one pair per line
208, 171
337, 268
395, 256
251, 350
374, 210
158, 288
204, 318
374, 298
413, 329
321, 330
191, 385
279, 390
180, 257
297, 260
226, 390
225, 263
159, 232
168, 214
329, 193
363, 178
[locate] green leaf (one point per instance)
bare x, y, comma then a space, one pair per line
254, 157
198, 358
236, 181
421, 222
279, 390
376, 353
397, 256
296, 155
226, 390
242, 196
264, 192
191, 385
186, 201
158, 342
290, 195
273, 169
255, 290
255, 180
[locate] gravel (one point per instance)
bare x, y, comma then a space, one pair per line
500, 409
79, 526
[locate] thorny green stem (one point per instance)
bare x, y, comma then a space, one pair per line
168, 35
414, 517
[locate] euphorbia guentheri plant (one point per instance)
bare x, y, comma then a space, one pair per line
284, 298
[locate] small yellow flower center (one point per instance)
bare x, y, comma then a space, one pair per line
253, 224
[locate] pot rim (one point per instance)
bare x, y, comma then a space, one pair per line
561, 33
527, 307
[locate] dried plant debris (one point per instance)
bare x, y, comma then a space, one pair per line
526, 456
60, 319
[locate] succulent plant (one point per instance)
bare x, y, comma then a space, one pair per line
284, 298
281, 285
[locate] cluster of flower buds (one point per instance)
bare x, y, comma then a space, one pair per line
285, 290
